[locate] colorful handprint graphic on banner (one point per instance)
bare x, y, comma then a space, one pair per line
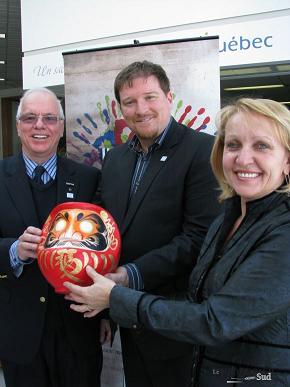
114, 130
93, 117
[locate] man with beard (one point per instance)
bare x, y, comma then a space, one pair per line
160, 189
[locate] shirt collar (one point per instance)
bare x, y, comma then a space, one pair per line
50, 165
135, 144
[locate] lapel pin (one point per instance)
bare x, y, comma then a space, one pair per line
163, 158
70, 187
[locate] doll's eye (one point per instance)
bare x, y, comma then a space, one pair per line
60, 225
86, 227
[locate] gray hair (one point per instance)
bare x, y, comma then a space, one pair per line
39, 90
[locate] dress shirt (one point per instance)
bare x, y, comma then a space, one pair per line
143, 160
49, 165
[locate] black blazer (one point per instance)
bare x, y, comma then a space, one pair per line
22, 312
238, 307
164, 224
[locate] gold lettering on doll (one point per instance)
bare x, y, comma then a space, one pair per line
43, 258
113, 242
112, 262
51, 258
86, 258
68, 264
95, 259
45, 254
105, 261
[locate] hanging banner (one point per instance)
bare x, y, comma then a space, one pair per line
94, 122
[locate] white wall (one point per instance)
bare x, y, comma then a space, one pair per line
59, 22
68, 25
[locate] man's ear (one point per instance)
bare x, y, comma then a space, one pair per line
18, 127
62, 129
120, 106
170, 96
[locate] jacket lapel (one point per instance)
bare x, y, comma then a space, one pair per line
67, 181
159, 160
127, 161
19, 189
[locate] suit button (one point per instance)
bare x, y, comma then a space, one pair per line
42, 299
134, 326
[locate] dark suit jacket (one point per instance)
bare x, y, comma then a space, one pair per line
166, 221
22, 312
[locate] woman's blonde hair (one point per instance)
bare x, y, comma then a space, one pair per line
273, 110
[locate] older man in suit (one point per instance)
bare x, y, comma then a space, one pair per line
160, 189
42, 342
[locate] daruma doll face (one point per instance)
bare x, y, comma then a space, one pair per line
78, 228
76, 235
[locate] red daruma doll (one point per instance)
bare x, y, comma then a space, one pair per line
75, 235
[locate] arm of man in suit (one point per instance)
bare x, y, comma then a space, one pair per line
199, 206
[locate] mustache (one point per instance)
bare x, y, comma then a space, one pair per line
100, 243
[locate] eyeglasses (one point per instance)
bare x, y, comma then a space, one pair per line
31, 119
